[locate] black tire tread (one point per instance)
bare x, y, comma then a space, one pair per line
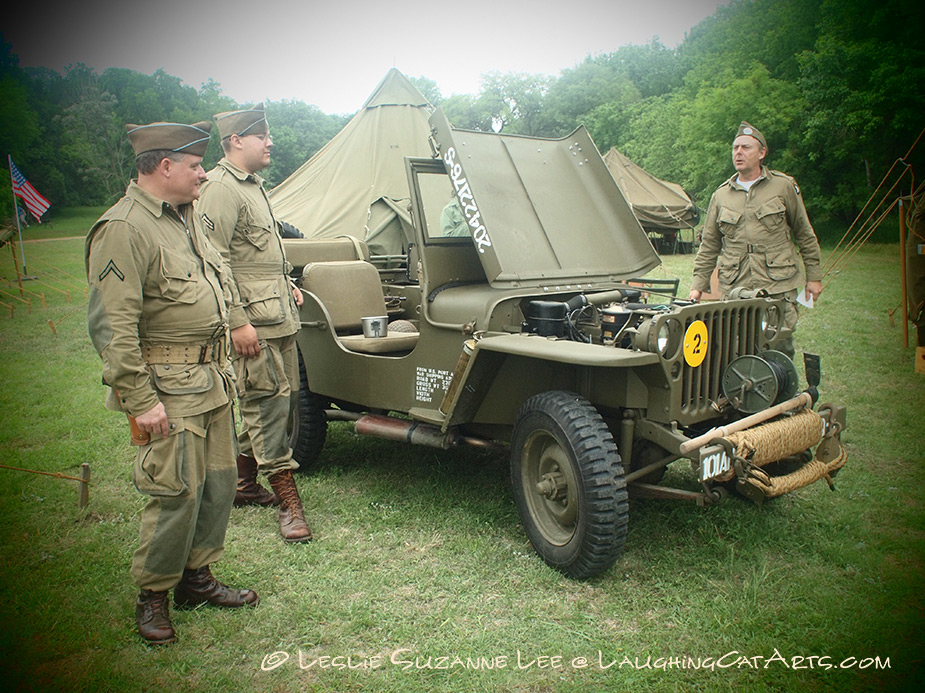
606, 510
310, 423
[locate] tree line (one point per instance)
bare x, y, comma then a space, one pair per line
836, 87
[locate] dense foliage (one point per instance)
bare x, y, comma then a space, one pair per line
67, 132
835, 85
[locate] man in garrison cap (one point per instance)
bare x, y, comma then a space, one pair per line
158, 318
263, 317
752, 223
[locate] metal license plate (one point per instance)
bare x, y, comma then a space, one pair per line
714, 461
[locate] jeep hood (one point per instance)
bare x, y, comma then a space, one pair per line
542, 212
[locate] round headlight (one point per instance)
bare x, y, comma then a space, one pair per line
663, 339
770, 322
668, 338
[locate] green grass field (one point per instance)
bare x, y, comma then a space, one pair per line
421, 578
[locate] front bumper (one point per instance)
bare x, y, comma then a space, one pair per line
761, 459
761, 456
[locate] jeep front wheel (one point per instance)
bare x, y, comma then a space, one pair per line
569, 484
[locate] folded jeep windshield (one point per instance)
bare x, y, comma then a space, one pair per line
542, 211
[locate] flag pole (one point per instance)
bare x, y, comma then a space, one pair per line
22, 251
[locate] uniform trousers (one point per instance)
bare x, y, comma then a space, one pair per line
190, 476
267, 387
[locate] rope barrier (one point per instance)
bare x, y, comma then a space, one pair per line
58, 475
861, 235
850, 251
83, 490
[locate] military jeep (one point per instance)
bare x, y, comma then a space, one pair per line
523, 320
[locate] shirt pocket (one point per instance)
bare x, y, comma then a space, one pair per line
728, 220
728, 270
772, 214
181, 379
257, 229
176, 279
781, 265
264, 302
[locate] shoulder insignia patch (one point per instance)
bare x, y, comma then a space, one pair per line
208, 222
111, 268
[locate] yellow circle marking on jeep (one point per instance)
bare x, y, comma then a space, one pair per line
695, 343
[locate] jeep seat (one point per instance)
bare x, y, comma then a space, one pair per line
302, 251
350, 290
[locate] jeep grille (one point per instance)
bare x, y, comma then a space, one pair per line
733, 331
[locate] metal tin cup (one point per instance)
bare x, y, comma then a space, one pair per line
374, 327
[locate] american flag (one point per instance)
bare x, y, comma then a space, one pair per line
22, 188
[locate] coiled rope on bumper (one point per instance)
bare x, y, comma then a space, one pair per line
776, 440
812, 471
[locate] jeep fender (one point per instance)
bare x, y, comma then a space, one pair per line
504, 370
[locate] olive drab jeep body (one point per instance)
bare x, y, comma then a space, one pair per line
523, 320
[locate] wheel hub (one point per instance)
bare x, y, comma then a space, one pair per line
553, 485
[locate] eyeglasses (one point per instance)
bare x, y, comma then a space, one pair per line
262, 136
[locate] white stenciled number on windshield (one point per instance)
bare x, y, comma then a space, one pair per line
466, 200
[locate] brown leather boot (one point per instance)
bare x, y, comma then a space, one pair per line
200, 587
152, 614
292, 524
250, 492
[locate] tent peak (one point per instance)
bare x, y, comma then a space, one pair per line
396, 90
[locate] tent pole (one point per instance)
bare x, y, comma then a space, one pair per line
22, 250
16, 265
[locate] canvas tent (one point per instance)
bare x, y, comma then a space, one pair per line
356, 184
661, 207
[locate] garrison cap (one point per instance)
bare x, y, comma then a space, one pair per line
174, 137
752, 131
249, 121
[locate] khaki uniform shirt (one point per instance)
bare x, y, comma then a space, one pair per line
749, 235
237, 218
155, 281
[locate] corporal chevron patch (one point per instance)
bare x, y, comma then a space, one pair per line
111, 268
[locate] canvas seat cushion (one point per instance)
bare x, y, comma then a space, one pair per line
393, 341
350, 291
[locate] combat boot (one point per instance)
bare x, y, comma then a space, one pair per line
249, 491
152, 614
200, 587
292, 524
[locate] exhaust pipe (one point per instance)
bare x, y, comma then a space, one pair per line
413, 432
416, 433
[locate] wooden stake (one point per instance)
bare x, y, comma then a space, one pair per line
16, 265
83, 489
